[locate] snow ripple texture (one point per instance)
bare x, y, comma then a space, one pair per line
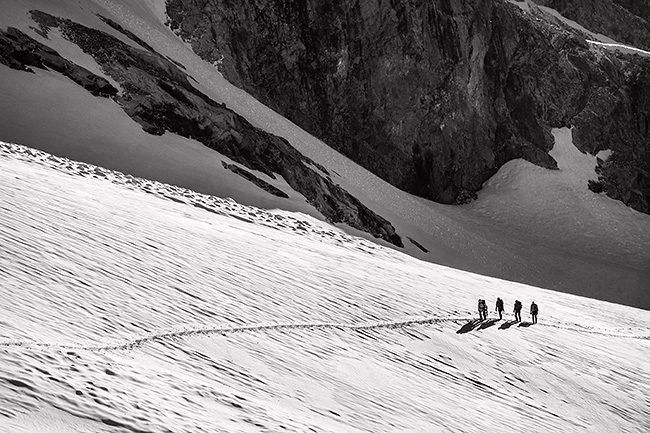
133, 306
392, 324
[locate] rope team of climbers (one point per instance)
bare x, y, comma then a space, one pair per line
483, 310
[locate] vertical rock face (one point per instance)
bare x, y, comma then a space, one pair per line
433, 96
640, 8
397, 86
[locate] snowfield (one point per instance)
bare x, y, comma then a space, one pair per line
137, 305
133, 306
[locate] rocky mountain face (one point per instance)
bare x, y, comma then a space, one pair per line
433, 96
626, 174
640, 8
159, 95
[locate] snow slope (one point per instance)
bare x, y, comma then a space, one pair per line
555, 209
131, 305
487, 237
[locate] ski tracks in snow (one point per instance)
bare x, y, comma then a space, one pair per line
132, 344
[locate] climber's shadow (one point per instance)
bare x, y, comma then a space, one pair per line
469, 326
487, 323
507, 324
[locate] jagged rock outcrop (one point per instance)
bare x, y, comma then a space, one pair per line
19, 51
156, 93
433, 96
254, 179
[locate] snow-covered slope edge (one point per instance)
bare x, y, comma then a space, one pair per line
130, 308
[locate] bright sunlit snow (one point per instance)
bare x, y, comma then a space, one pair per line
130, 305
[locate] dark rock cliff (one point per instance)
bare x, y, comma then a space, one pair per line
433, 96
157, 94
640, 8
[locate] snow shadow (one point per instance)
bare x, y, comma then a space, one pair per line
469, 326
487, 323
525, 324
507, 324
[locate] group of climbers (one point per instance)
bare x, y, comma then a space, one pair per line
483, 310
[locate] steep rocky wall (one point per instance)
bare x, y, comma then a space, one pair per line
640, 8
433, 96
397, 86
